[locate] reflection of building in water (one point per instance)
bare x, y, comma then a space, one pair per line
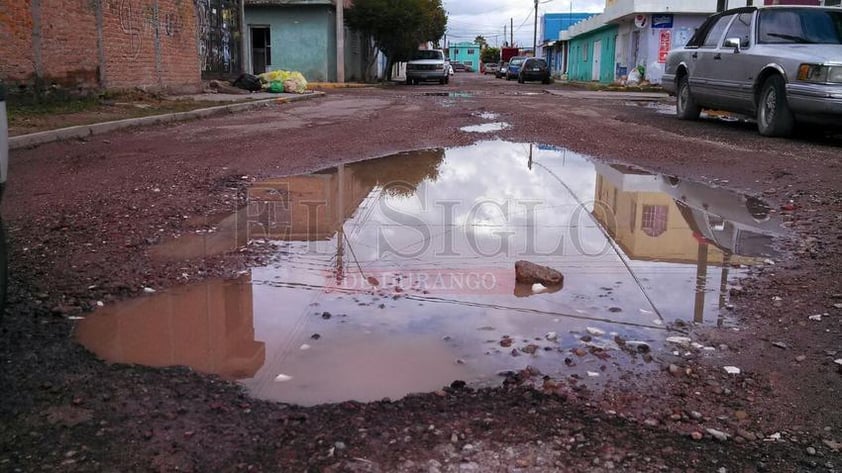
306, 208
208, 327
663, 219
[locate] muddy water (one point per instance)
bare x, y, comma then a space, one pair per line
395, 275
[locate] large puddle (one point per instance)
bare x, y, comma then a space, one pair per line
396, 275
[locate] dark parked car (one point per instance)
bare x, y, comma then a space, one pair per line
458, 66
534, 69
501, 72
781, 64
513, 69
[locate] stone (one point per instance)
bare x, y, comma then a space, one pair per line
551, 336
811, 451
530, 273
681, 341
718, 434
675, 370
596, 332
731, 369
696, 436
746, 435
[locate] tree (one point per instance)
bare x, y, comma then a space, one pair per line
480, 40
490, 54
397, 27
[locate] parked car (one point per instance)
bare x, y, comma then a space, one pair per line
513, 69
534, 69
781, 64
491, 67
501, 72
459, 67
4, 167
427, 64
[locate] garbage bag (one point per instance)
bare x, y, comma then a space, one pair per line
248, 82
295, 84
276, 87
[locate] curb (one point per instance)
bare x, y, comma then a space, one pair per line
83, 131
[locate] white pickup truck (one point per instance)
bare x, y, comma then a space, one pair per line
427, 64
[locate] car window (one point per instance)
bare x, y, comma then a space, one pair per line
537, 62
516, 61
715, 33
427, 54
804, 26
740, 28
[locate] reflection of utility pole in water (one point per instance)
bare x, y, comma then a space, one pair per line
701, 282
529, 164
723, 284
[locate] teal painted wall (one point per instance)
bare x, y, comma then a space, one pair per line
580, 62
459, 53
303, 38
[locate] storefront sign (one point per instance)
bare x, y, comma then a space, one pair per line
641, 21
662, 21
664, 45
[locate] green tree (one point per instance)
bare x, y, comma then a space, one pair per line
397, 27
480, 40
490, 54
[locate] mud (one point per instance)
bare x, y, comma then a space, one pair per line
85, 218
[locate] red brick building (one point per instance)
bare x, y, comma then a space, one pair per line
119, 44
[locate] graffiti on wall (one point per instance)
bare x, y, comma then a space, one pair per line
219, 36
140, 21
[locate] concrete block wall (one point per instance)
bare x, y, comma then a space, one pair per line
100, 44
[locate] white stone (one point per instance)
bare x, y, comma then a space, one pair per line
595, 331
731, 369
682, 341
281, 378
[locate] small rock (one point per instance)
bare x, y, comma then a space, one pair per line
530, 273
718, 434
148, 290
838, 362
811, 451
741, 415
675, 370
593, 374
454, 437
696, 436
339, 445
304, 347
695, 415
551, 336
800, 358
816, 317
731, 369
281, 378
780, 345
681, 341
746, 435
595, 331
530, 349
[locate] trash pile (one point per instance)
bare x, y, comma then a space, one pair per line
291, 82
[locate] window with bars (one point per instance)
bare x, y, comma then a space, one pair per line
654, 221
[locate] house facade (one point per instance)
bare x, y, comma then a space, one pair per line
592, 54
466, 53
642, 32
551, 48
300, 35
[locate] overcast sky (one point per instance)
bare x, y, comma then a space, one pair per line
469, 18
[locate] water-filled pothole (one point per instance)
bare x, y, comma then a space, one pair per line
485, 127
395, 275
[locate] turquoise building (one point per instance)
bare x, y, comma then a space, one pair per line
591, 55
466, 53
299, 35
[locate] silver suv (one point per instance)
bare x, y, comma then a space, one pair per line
780, 64
427, 64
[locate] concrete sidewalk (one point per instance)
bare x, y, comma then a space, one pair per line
237, 103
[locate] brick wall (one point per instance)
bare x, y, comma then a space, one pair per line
110, 44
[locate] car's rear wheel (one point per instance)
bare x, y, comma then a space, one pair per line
774, 118
685, 106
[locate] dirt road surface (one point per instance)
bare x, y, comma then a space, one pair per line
83, 216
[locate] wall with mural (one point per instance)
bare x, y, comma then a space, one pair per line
109, 44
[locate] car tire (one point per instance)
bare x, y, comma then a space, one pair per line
774, 118
685, 106
520, 80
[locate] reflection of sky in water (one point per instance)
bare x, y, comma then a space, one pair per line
382, 341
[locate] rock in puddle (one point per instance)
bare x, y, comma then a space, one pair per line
527, 272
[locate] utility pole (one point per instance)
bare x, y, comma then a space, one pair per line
504, 33
721, 5
511, 32
535, 33
340, 41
